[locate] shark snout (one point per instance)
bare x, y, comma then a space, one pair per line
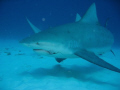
23, 42
27, 43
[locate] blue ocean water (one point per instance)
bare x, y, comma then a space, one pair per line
21, 69
13, 15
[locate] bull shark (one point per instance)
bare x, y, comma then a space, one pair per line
85, 38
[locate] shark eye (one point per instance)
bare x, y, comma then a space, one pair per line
37, 43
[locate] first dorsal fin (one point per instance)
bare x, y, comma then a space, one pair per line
91, 15
35, 29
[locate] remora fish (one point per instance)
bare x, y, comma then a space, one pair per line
85, 38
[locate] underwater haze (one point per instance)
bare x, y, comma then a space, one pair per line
22, 69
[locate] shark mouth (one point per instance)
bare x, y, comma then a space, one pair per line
41, 51
37, 49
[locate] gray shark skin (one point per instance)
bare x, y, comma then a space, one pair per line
85, 39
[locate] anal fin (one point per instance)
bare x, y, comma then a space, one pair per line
91, 57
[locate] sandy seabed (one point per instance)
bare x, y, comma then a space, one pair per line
23, 69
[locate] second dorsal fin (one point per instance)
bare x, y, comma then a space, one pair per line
78, 17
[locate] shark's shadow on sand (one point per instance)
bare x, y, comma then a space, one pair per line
80, 73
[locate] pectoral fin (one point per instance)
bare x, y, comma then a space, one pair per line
112, 52
35, 29
91, 57
60, 59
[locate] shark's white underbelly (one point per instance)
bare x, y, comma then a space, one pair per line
56, 55
66, 53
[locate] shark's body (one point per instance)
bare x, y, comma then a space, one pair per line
85, 38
